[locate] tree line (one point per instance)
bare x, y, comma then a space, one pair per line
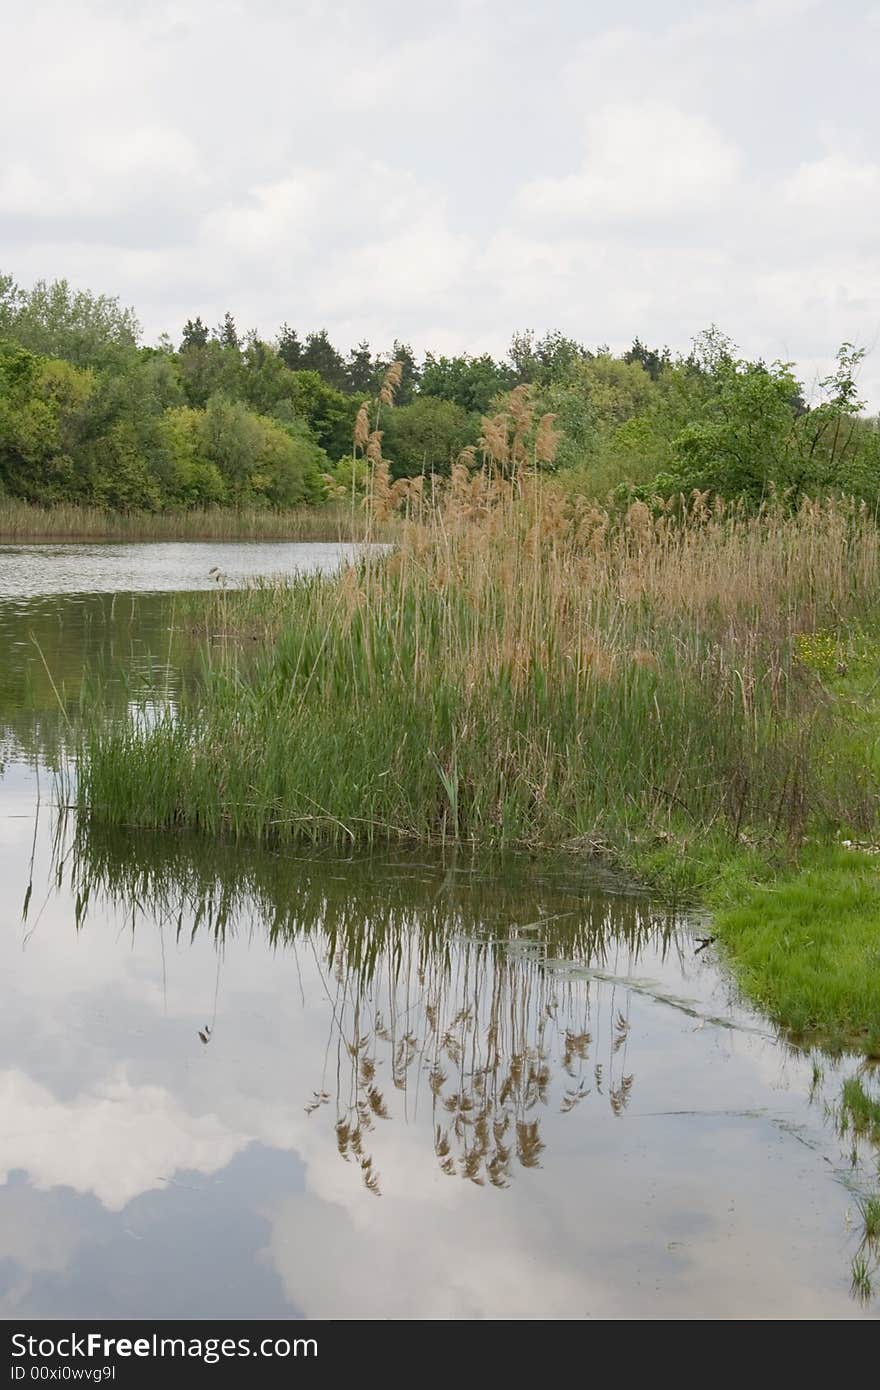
88, 413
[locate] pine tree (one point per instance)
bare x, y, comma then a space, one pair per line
409, 380
195, 335
321, 356
289, 348
227, 333
361, 370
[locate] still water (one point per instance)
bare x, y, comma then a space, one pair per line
155, 566
242, 1084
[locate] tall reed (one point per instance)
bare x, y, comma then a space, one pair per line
524, 667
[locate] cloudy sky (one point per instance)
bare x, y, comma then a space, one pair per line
448, 174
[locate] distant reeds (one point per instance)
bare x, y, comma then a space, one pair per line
64, 521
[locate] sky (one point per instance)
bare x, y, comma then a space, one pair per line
450, 174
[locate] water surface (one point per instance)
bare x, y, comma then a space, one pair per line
238, 1083
110, 567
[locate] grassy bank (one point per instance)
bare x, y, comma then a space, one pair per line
798, 924
689, 694
22, 522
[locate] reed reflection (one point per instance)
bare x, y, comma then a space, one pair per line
458, 994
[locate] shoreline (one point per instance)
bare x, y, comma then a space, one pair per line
24, 523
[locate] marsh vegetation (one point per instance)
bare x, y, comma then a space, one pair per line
685, 687
23, 522
630, 609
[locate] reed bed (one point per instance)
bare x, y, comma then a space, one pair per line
524, 668
23, 522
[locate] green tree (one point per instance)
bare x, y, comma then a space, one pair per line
427, 435
289, 467
410, 376
43, 403
195, 335
264, 379
614, 390
469, 382
289, 348
193, 479
541, 361
328, 413
319, 355
836, 445
54, 320
743, 440
209, 370
655, 361
10, 302
257, 458
123, 478
597, 396
227, 333
231, 439
362, 371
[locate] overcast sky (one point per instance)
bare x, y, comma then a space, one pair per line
449, 173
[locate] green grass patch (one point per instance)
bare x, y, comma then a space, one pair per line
861, 1112
805, 946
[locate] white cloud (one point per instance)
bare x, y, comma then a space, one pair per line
837, 197
143, 152
644, 161
420, 263
115, 169
279, 217
116, 1143
417, 1268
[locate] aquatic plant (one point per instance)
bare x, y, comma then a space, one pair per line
859, 1111
869, 1208
862, 1282
525, 668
